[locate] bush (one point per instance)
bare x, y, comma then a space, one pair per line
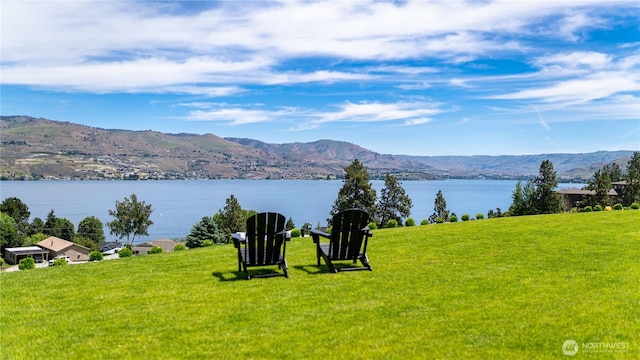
479, 216
618, 206
465, 217
393, 223
607, 208
59, 262
587, 209
439, 220
372, 226
207, 243
179, 247
597, 208
409, 222
96, 256
424, 222
27, 263
155, 250
295, 233
635, 206
125, 252
453, 218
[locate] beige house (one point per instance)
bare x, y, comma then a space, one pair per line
57, 246
143, 249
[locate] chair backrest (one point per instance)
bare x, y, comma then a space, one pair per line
347, 234
265, 238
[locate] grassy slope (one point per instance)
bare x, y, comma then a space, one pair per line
499, 288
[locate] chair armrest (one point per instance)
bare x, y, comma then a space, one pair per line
286, 233
367, 231
315, 235
238, 238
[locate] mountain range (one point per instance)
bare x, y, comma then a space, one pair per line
38, 148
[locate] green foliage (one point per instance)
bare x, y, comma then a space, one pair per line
631, 192
205, 229
295, 233
440, 210
231, 219
524, 199
600, 184
356, 191
207, 243
439, 220
130, 218
96, 256
618, 206
8, 233
155, 250
59, 227
479, 216
34, 239
598, 207
394, 203
91, 228
409, 222
19, 211
36, 226
393, 223
27, 263
125, 252
59, 262
290, 225
373, 226
465, 217
635, 206
88, 243
179, 247
424, 222
548, 201
453, 218
587, 209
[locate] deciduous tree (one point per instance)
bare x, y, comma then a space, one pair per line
19, 211
91, 228
131, 218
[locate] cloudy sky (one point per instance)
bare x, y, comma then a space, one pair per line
395, 77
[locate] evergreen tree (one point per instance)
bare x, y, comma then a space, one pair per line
231, 218
600, 184
131, 217
440, 211
614, 172
290, 224
524, 199
91, 228
548, 201
205, 229
356, 191
632, 189
394, 203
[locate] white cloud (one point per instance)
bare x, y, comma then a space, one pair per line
239, 116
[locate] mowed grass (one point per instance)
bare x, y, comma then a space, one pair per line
509, 288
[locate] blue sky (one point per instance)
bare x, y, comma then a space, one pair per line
395, 77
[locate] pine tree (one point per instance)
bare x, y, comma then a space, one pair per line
231, 217
356, 192
548, 201
440, 211
394, 203
205, 229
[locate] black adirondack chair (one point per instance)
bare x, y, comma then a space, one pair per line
264, 244
347, 241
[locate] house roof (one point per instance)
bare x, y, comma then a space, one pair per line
165, 244
611, 192
56, 244
26, 250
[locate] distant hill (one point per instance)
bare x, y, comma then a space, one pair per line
37, 148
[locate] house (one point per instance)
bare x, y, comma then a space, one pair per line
143, 249
574, 197
110, 247
14, 255
619, 186
56, 246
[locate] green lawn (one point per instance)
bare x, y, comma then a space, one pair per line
509, 288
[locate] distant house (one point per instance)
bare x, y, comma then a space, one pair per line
14, 255
56, 246
143, 249
619, 186
110, 247
574, 197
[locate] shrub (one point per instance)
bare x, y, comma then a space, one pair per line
179, 247
465, 217
453, 218
207, 243
372, 226
635, 206
409, 222
439, 220
393, 223
424, 222
607, 208
27, 263
155, 250
479, 216
125, 252
597, 208
295, 233
96, 256
587, 209
59, 262
618, 206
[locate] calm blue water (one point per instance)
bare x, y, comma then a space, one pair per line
178, 205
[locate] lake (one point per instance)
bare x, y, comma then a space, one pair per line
179, 204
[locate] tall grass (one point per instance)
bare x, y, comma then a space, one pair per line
501, 288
